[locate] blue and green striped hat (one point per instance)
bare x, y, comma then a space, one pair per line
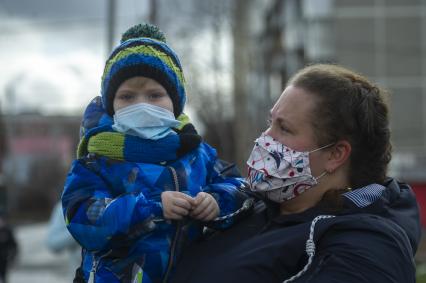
143, 52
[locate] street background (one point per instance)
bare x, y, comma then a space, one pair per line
36, 263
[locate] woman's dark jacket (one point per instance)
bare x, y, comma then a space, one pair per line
372, 238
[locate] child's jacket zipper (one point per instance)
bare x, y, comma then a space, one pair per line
178, 229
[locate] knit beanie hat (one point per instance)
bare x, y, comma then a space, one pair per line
143, 52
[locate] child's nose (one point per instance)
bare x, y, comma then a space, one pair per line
142, 98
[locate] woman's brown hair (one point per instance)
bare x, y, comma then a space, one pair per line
351, 108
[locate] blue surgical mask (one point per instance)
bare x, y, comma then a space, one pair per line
145, 121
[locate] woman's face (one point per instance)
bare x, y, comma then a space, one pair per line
141, 90
291, 124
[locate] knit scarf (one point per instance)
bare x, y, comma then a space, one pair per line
115, 145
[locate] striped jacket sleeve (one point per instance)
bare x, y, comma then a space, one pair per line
95, 217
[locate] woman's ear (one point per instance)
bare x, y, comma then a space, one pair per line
339, 155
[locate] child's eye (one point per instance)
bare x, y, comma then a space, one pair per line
125, 96
156, 95
269, 122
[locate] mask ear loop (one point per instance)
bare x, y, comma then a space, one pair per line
325, 172
320, 176
325, 146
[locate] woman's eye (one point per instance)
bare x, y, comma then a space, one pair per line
284, 129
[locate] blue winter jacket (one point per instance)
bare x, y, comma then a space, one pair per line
113, 209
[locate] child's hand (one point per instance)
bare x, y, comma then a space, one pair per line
176, 205
205, 207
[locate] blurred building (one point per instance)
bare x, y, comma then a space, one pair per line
382, 39
40, 150
386, 40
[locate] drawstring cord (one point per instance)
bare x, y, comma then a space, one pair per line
248, 203
310, 247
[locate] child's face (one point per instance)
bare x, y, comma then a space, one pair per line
141, 90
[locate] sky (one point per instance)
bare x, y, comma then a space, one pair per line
53, 52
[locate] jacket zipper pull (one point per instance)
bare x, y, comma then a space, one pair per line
91, 277
92, 272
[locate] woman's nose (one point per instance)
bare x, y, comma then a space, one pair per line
269, 131
274, 133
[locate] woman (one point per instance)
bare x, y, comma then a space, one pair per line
328, 214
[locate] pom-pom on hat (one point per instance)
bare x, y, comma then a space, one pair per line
143, 52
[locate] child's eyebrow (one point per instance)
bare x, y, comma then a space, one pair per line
125, 90
157, 88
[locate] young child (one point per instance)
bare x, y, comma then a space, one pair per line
144, 183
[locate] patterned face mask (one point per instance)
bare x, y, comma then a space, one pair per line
279, 172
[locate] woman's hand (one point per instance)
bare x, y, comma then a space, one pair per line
205, 207
176, 205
